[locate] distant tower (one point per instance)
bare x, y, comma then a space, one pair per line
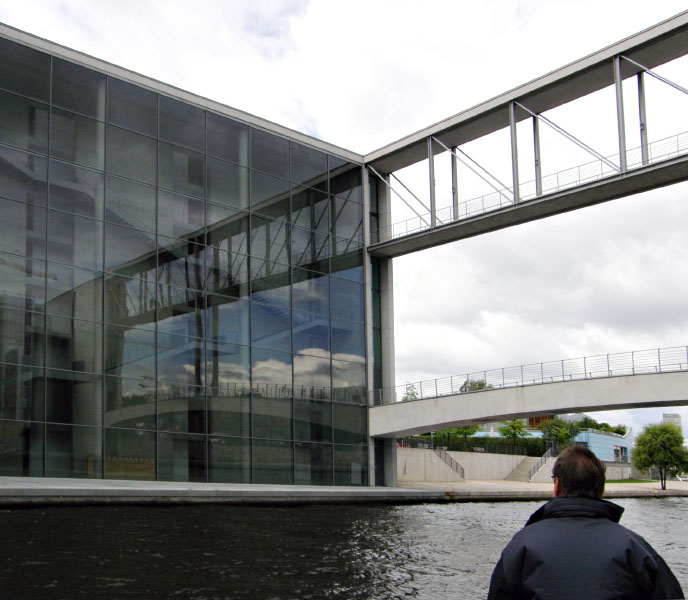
673, 418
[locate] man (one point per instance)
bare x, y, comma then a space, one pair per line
573, 547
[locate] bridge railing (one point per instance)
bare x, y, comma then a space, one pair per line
637, 362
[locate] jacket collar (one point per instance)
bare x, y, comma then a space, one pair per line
577, 507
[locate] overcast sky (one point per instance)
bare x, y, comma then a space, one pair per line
361, 74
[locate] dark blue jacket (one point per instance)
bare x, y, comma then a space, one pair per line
574, 548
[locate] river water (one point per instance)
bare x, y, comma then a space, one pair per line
214, 552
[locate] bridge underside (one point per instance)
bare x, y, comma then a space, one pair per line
444, 412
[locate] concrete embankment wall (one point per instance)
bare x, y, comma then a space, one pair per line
417, 464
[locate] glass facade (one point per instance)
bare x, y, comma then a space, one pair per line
181, 294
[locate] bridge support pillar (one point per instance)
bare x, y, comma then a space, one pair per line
514, 151
618, 84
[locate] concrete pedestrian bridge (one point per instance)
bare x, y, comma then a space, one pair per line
636, 379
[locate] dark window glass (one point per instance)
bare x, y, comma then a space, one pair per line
270, 240
22, 283
309, 249
22, 445
227, 273
311, 334
22, 339
347, 221
76, 190
180, 311
75, 292
227, 319
22, 394
312, 464
129, 454
182, 123
229, 414
130, 302
348, 340
180, 360
270, 283
23, 176
271, 373
227, 139
22, 228
129, 203
181, 170
271, 418
227, 228
271, 327
308, 166
181, 457
350, 465
77, 139
180, 216
346, 182
312, 377
273, 462
347, 299
24, 123
310, 209
312, 421
131, 155
79, 89
349, 265
227, 183
130, 352
181, 408
73, 398
228, 369
129, 403
74, 345
180, 263
132, 107
310, 291
270, 196
229, 460
24, 70
349, 424
73, 452
269, 153
348, 381
128, 251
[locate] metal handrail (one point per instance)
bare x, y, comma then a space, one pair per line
541, 461
448, 460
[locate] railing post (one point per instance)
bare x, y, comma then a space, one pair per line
633, 363
503, 377
609, 373
659, 360
585, 368
436, 392
542, 373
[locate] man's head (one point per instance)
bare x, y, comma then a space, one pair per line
578, 473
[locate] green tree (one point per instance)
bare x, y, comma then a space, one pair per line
661, 446
513, 430
474, 385
590, 423
559, 432
465, 432
411, 392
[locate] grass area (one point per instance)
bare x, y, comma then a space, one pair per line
632, 480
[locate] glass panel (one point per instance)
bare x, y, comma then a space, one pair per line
271, 327
22, 448
180, 359
181, 408
229, 414
22, 339
181, 457
229, 460
130, 302
130, 352
269, 153
309, 249
22, 283
129, 454
131, 155
227, 228
22, 228
180, 263
311, 334
227, 183
22, 393
313, 464
73, 452
76, 190
310, 291
270, 240
270, 196
24, 70
308, 166
347, 299
351, 465
75, 292
23, 176
132, 107
181, 170
182, 123
74, 345
273, 462
312, 377
180, 311
24, 123
346, 182
227, 139
348, 381
128, 251
270, 283
349, 265
228, 369
74, 398
228, 319
271, 418
129, 403
77, 139
271, 373
312, 421
129, 203
227, 273
347, 219
348, 340
179, 216
310, 209
79, 89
